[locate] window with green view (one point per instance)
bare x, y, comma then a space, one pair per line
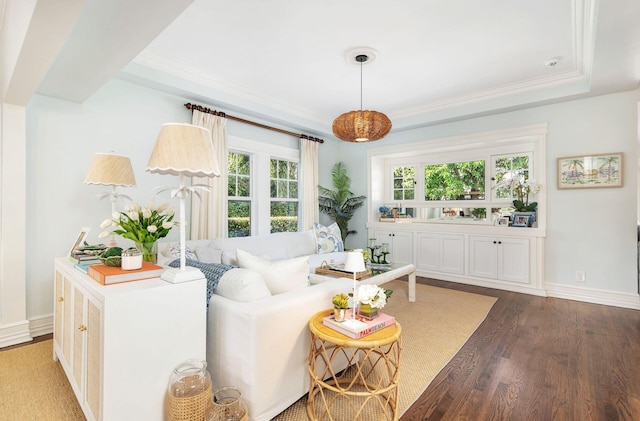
455, 181
404, 183
284, 196
239, 195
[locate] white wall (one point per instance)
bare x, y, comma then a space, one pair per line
592, 230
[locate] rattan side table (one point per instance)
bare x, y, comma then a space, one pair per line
367, 389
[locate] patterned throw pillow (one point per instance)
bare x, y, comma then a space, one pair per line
328, 238
174, 251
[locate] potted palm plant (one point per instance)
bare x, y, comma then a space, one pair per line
340, 204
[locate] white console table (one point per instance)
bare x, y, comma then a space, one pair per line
118, 344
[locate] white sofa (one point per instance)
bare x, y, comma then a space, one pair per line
262, 346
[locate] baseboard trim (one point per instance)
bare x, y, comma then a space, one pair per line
486, 283
41, 326
15, 333
595, 296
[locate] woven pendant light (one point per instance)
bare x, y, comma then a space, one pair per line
362, 125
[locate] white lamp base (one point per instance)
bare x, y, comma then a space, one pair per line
176, 275
354, 324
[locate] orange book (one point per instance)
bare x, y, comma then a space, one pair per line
107, 275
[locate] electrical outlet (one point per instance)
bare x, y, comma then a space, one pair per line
581, 276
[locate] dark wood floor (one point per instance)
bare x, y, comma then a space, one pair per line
540, 359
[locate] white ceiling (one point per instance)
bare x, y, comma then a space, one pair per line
284, 61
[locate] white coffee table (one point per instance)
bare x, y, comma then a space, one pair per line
380, 275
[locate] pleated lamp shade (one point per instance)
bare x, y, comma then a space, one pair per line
184, 149
110, 170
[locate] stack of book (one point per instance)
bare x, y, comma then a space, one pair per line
108, 275
362, 329
86, 256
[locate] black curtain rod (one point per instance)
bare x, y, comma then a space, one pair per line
252, 123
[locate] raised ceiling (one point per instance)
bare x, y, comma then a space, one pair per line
285, 61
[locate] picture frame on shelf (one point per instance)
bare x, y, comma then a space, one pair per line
590, 171
521, 221
503, 221
80, 240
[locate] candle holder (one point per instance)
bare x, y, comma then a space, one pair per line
378, 252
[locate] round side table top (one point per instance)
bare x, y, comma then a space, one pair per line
382, 337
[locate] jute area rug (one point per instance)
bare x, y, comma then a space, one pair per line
434, 328
34, 387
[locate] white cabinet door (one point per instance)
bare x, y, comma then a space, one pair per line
452, 254
440, 252
400, 245
504, 258
513, 260
428, 252
483, 257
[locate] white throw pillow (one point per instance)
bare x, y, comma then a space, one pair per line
174, 251
328, 238
242, 285
229, 258
281, 275
208, 255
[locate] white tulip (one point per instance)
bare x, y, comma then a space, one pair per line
104, 234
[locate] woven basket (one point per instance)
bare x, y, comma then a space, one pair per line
189, 408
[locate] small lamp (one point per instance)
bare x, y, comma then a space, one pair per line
111, 170
183, 150
355, 264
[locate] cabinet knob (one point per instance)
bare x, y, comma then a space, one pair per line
60, 299
499, 242
82, 328
494, 242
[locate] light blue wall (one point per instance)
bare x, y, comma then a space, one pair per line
590, 230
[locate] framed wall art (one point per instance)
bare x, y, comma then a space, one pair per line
590, 171
80, 240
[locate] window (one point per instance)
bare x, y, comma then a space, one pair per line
404, 181
263, 187
508, 168
239, 194
284, 196
462, 179
455, 181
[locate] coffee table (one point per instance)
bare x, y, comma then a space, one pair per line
380, 274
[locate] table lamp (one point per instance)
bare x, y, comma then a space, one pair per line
354, 264
112, 170
183, 150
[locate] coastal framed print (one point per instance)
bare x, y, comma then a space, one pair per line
590, 171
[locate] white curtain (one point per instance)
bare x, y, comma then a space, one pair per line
209, 212
309, 212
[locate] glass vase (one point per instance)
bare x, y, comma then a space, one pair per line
189, 392
227, 405
149, 251
366, 311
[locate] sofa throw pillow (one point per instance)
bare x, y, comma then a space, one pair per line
209, 255
280, 275
242, 285
328, 238
174, 251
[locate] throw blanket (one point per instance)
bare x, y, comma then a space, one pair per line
211, 271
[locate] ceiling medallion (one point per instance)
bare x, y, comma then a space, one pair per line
362, 125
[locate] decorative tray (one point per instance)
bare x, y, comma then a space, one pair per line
338, 270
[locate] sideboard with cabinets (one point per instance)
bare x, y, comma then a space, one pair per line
509, 258
118, 344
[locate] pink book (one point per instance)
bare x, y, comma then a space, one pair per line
368, 327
